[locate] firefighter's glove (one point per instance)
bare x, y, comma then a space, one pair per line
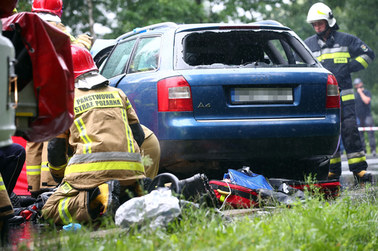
85, 40
104, 199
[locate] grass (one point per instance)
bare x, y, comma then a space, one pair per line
347, 223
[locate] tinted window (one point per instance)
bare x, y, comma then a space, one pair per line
146, 56
240, 48
117, 61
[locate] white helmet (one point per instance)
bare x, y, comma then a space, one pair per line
320, 11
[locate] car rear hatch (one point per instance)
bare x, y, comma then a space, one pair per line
250, 72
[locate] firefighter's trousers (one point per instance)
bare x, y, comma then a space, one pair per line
37, 170
12, 159
6, 208
151, 148
351, 141
67, 205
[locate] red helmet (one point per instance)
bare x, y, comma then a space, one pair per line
7, 7
50, 6
82, 60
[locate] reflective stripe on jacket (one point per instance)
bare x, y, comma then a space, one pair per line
341, 54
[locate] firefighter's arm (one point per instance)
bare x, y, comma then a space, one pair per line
138, 133
361, 55
133, 120
134, 124
84, 40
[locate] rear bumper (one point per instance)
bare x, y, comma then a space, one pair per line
208, 140
246, 149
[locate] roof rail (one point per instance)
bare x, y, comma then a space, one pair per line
268, 22
147, 28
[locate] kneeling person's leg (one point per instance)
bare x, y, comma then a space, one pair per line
67, 205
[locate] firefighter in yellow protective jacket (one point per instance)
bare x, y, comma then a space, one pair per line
37, 170
105, 138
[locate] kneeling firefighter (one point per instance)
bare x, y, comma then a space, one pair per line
105, 138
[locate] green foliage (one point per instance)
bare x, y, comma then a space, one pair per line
348, 223
138, 13
24, 5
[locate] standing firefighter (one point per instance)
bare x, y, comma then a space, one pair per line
38, 173
342, 54
105, 138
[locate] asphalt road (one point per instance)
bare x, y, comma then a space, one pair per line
347, 176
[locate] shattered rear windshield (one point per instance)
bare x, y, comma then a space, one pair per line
240, 48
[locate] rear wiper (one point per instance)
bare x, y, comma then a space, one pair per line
249, 64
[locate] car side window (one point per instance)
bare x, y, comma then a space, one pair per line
117, 61
146, 57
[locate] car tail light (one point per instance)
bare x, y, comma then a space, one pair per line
333, 95
174, 95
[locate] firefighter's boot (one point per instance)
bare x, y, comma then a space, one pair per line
363, 178
104, 199
333, 176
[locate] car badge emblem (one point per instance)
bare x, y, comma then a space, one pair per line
201, 105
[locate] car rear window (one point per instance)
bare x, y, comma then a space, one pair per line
236, 48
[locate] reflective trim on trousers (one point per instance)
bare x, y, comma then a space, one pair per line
57, 168
104, 166
335, 164
64, 214
33, 170
2, 185
355, 158
335, 161
45, 167
356, 155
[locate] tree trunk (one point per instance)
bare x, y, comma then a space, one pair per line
90, 17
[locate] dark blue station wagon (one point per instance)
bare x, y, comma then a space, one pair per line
221, 96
